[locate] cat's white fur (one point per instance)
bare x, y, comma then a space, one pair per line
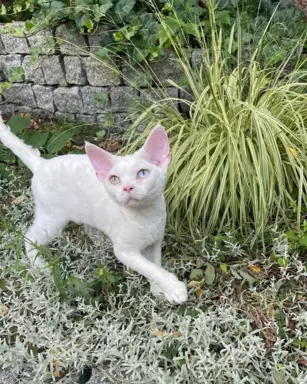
78, 188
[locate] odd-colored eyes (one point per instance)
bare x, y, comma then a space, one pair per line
114, 180
143, 173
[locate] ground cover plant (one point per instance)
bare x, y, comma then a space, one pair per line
245, 320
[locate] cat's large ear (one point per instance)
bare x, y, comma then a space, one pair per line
101, 160
156, 148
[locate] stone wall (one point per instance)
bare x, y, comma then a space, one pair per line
67, 82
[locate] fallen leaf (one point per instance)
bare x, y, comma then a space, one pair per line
302, 360
199, 262
271, 311
3, 310
224, 267
195, 283
293, 151
56, 368
199, 292
209, 274
197, 274
251, 280
255, 268
18, 200
160, 333
292, 325
265, 327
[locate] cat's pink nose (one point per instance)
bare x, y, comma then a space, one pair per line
128, 189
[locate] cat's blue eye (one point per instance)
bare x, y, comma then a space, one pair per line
114, 179
143, 173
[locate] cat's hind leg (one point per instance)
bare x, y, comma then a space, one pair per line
46, 225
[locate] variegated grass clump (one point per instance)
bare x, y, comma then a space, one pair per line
239, 158
129, 337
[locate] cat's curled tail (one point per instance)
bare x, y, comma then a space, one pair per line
30, 156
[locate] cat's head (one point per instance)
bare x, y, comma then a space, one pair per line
137, 179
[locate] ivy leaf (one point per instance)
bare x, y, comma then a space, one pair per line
18, 123
124, 7
58, 140
105, 6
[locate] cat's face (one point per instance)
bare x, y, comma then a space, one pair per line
136, 179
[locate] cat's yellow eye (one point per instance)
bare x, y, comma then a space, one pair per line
143, 173
114, 180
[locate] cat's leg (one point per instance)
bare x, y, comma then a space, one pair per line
153, 253
174, 290
45, 226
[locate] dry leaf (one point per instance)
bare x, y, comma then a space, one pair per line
264, 325
160, 333
199, 262
292, 325
293, 151
56, 368
18, 200
199, 292
195, 283
255, 268
271, 311
302, 360
3, 310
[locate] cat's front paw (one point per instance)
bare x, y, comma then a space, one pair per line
176, 291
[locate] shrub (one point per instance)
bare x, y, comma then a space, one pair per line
239, 158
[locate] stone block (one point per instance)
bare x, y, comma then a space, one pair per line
149, 96
65, 117
7, 109
33, 70
70, 40
95, 39
114, 122
44, 97
136, 75
13, 37
44, 40
53, 70
95, 99
90, 119
100, 75
2, 48
42, 114
74, 70
186, 94
7, 62
68, 100
166, 69
196, 58
21, 94
123, 98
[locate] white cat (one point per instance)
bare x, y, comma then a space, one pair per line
120, 196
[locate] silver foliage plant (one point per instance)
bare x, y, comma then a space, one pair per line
120, 340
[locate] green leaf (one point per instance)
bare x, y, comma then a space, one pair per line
37, 140
103, 8
58, 281
209, 274
272, 257
3, 9
18, 123
101, 133
124, 7
283, 262
224, 267
4, 172
247, 277
197, 274
58, 140
279, 377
